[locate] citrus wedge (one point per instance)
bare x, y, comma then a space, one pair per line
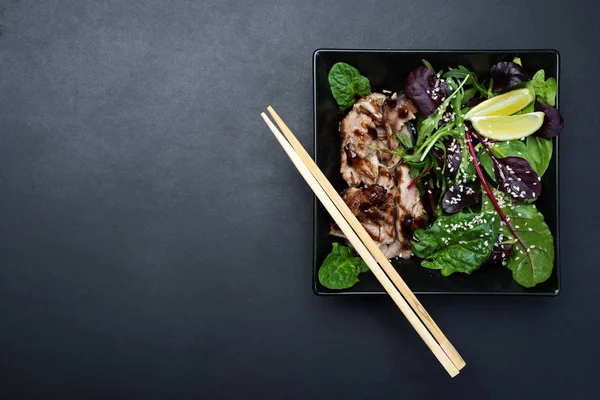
505, 104
502, 127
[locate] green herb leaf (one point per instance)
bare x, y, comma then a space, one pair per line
468, 95
539, 152
341, 268
536, 266
457, 243
486, 162
405, 138
463, 72
426, 63
466, 169
347, 84
516, 148
545, 90
517, 60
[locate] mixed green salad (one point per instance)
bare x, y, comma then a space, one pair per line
477, 158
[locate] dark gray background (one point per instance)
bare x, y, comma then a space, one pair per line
155, 241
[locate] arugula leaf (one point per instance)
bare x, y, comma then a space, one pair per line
528, 269
462, 73
341, 268
347, 84
405, 138
468, 95
466, 170
457, 243
426, 63
545, 90
539, 152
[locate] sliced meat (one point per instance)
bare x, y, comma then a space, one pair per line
378, 195
397, 112
375, 209
360, 129
410, 213
386, 179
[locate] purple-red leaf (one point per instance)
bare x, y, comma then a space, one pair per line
426, 90
507, 74
453, 156
474, 101
459, 197
516, 177
501, 250
553, 121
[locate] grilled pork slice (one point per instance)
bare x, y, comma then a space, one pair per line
361, 130
398, 110
375, 209
379, 195
410, 213
374, 122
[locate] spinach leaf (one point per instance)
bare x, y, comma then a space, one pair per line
341, 268
545, 90
539, 152
457, 243
514, 148
535, 266
347, 84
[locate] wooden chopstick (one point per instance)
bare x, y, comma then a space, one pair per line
363, 252
410, 297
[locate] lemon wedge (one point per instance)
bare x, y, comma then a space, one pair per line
502, 127
505, 104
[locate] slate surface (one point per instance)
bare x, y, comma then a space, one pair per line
156, 242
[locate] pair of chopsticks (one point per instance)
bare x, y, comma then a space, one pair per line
381, 267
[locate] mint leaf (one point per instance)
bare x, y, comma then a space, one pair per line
341, 268
457, 243
347, 84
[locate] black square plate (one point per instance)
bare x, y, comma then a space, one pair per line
387, 69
